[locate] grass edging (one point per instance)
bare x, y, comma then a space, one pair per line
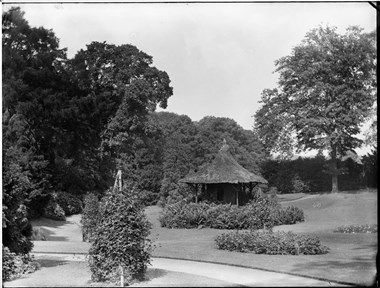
259, 268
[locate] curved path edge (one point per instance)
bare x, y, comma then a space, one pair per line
260, 269
239, 274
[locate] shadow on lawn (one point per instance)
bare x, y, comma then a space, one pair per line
358, 263
45, 263
47, 227
153, 273
357, 270
372, 246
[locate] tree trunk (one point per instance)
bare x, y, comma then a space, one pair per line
334, 170
334, 188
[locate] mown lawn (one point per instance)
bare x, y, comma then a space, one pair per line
352, 258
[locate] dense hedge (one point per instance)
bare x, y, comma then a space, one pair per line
14, 265
120, 239
261, 212
62, 204
269, 242
310, 174
90, 216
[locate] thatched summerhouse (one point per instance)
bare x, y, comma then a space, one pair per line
223, 180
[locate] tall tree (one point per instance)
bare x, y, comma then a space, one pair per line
123, 87
178, 148
34, 94
326, 91
29, 61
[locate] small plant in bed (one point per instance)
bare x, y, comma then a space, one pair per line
269, 242
368, 228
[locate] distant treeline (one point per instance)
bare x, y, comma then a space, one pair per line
311, 174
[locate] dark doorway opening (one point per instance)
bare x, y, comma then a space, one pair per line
219, 195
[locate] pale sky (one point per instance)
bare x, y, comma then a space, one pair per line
219, 57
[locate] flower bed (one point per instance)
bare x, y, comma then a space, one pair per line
269, 242
357, 229
259, 213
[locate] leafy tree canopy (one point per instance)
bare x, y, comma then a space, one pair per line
327, 88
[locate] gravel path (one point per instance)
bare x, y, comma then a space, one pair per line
68, 270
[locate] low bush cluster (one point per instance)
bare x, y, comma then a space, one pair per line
90, 216
290, 215
14, 265
38, 235
120, 239
62, 204
261, 212
68, 202
269, 242
54, 211
369, 228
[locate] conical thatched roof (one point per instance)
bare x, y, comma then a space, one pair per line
223, 169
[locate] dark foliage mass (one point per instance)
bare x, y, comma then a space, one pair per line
68, 124
187, 145
309, 174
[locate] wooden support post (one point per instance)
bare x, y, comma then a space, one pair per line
121, 275
196, 193
118, 182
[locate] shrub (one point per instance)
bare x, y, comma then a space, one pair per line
357, 229
148, 198
69, 203
17, 229
183, 215
290, 215
9, 265
225, 216
90, 216
269, 242
273, 191
54, 211
120, 238
37, 234
260, 212
299, 186
15, 265
181, 193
